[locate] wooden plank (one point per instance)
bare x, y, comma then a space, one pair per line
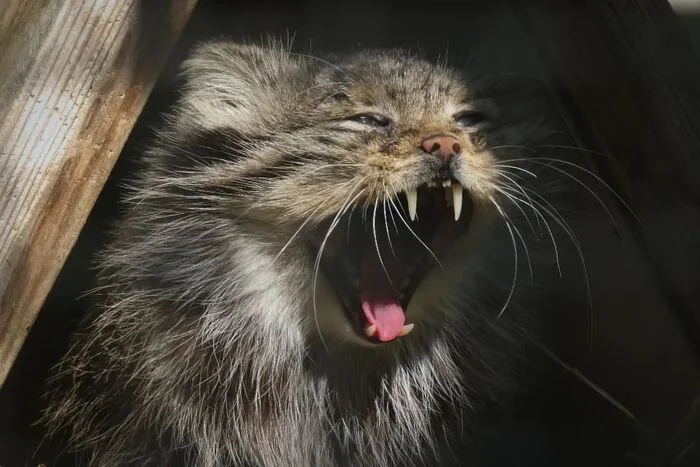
630, 83
75, 78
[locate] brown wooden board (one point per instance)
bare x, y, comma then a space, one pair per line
73, 83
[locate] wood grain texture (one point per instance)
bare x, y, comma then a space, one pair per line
75, 86
630, 83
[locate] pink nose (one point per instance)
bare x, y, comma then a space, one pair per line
442, 146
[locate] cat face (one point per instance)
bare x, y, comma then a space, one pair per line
379, 165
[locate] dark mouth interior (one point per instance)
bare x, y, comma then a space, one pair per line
378, 291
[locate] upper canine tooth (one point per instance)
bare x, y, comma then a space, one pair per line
412, 196
457, 199
446, 183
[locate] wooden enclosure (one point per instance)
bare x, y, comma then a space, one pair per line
75, 75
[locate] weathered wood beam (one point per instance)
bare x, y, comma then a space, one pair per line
75, 76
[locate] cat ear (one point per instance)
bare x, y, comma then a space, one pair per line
238, 85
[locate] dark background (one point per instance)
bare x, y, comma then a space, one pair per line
564, 424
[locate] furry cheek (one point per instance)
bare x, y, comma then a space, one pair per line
478, 173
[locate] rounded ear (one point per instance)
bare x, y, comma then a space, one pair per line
241, 85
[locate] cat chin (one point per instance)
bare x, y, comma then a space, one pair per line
327, 318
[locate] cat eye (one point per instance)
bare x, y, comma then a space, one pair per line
470, 119
371, 119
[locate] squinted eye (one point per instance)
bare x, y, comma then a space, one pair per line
371, 120
470, 119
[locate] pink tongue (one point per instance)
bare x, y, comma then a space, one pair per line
381, 304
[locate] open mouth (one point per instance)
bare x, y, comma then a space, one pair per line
377, 255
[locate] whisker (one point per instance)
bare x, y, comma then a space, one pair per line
391, 213
507, 166
587, 188
291, 239
588, 172
507, 175
376, 241
414, 233
515, 254
386, 225
547, 226
597, 389
502, 189
517, 231
317, 262
503, 171
559, 219
574, 148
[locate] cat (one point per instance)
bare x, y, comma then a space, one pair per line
317, 266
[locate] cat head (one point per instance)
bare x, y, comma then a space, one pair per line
381, 165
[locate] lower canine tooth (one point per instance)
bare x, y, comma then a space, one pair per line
457, 199
412, 197
406, 329
370, 330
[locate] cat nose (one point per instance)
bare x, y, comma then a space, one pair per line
443, 146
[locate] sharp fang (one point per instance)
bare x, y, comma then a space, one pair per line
370, 330
406, 329
457, 199
446, 183
412, 196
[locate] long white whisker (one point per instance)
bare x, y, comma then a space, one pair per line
414, 234
503, 189
592, 174
587, 188
515, 254
537, 212
348, 202
376, 241
515, 167
551, 159
574, 148
505, 175
386, 224
391, 213
393, 220
559, 219
517, 232
291, 239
